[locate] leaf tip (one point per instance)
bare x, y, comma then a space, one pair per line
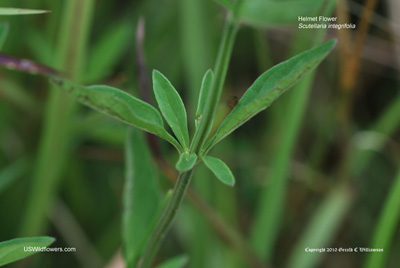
332, 42
155, 71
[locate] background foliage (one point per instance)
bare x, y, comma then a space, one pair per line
319, 168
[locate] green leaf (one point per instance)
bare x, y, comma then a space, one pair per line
19, 248
268, 87
171, 107
186, 162
204, 94
226, 3
3, 33
272, 12
20, 11
141, 195
120, 105
176, 262
107, 51
220, 169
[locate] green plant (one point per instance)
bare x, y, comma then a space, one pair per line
305, 175
124, 107
128, 109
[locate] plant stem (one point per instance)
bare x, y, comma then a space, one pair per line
221, 67
166, 218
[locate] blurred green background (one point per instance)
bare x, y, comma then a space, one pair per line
318, 169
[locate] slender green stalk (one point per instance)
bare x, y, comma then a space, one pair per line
54, 143
166, 219
221, 67
199, 139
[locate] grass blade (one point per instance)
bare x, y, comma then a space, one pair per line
108, 51
21, 11
14, 93
14, 249
141, 195
269, 86
386, 227
54, 146
3, 33
186, 162
176, 262
220, 169
204, 92
271, 204
321, 229
11, 173
171, 107
120, 105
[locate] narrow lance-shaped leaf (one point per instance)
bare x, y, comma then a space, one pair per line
21, 11
186, 162
175, 262
119, 105
204, 93
171, 107
13, 250
141, 195
220, 169
268, 87
3, 33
